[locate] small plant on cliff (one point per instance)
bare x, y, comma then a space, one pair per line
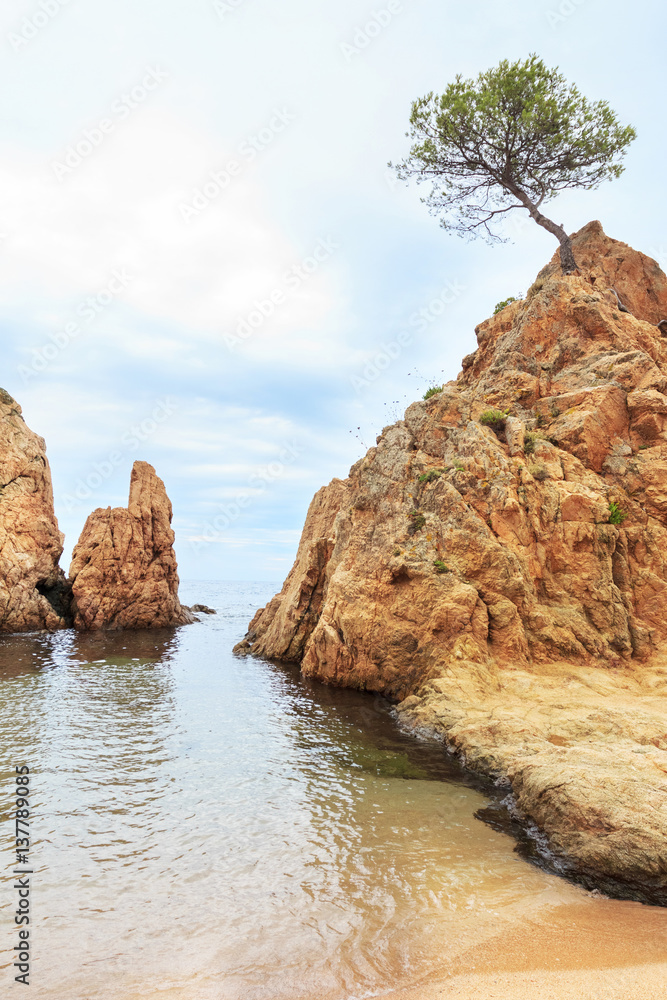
433, 391
430, 476
530, 439
513, 138
441, 567
495, 419
538, 472
616, 514
417, 521
501, 305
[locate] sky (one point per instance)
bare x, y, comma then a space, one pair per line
205, 262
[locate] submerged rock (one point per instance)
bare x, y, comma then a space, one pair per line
123, 571
513, 523
33, 591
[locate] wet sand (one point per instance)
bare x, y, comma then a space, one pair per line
637, 982
597, 949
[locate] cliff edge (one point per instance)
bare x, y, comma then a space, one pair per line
497, 564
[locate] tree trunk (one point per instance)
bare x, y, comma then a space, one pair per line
567, 261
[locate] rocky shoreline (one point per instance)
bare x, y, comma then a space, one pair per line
578, 760
497, 565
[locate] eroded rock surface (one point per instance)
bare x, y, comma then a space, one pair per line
123, 570
33, 591
460, 556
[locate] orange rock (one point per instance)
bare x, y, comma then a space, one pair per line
123, 570
33, 591
528, 531
505, 557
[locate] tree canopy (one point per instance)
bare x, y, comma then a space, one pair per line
513, 138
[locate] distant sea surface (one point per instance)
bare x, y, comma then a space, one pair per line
213, 828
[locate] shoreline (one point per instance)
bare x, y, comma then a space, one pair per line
578, 754
568, 951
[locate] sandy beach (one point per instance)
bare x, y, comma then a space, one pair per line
575, 951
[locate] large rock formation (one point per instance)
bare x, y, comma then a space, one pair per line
506, 572
123, 570
33, 591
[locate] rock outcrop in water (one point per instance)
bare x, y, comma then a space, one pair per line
123, 570
498, 563
33, 590
123, 573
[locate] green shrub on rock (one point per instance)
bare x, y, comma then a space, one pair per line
616, 514
430, 476
501, 305
418, 521
495, 419
538, 472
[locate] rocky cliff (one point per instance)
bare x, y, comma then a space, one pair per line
498, 564
123, 571
33, 591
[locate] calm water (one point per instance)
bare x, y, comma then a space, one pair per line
210, 827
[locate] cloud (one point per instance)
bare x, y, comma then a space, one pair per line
120, 212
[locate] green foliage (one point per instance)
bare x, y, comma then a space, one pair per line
430, 476
501, 305
459, 467
514, 137
396, 552
541, 420
433, 391
538, 472
495, 419
530, 439
418, 521
555, 412
616, 514
441, 567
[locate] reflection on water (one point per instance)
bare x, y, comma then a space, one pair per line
214, 828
